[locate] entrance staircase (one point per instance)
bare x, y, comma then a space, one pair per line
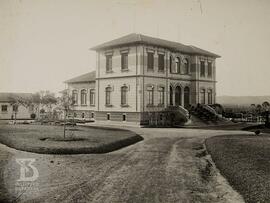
204, 115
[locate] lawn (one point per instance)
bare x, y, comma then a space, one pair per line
245, 161
48, 139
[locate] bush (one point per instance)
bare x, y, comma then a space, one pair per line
33, 116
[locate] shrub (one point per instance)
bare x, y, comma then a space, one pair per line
33, 116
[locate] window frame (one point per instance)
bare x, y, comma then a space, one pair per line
150, 93
74, 96
209, 67
177, 65
92, 93
150, 63
124, 96
202, 69
108, 63
108, 91
186, 67
161, 62
83, 97
161, 91
6, 109
124, 61
202, 96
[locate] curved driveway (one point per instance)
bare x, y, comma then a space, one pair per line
169, 165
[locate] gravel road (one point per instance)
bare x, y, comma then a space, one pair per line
169, 165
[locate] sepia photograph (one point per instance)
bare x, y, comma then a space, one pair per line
134, 101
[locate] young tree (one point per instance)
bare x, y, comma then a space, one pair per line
66, 103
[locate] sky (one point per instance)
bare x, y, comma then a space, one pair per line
45, 42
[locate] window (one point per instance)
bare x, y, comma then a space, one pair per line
161, 91
75, 115
4, 108
202, 71
108, 95
160, 62
150, 61
202, 96
210, 100
92, 97
92, 115
186, 67
209, 69
177, 65
124, 91
108, 63
171, 70
82, 115
108, 116
83, 97
75, 97
124, 61
124, 117
150, 91
15, 108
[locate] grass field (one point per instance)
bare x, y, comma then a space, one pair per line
245, 161
48, 139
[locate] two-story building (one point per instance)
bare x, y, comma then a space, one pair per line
137, 73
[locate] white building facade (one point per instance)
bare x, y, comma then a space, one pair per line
136, 74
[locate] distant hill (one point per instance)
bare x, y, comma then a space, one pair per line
242, 100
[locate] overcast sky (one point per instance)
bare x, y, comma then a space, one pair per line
44, 42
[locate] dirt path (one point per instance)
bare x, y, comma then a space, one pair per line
168, 166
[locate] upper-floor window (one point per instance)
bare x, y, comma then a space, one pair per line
202, 69
209, 69
108, 63
161, 91
4, 108
202, 96
108, 91
186, 67
160, 62
150, 91
75, 97
92, 97
83, 97
150, 61
177, 65
171, 61
124, 91
124, 61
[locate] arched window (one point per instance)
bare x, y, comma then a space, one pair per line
124, 91
75, 97
150, 91
171, 69
186, 97
83, 97
161, 91
171, 95
92, 97
178, 96
202, 96
186, 67
108, 91
210, 97
177, 65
